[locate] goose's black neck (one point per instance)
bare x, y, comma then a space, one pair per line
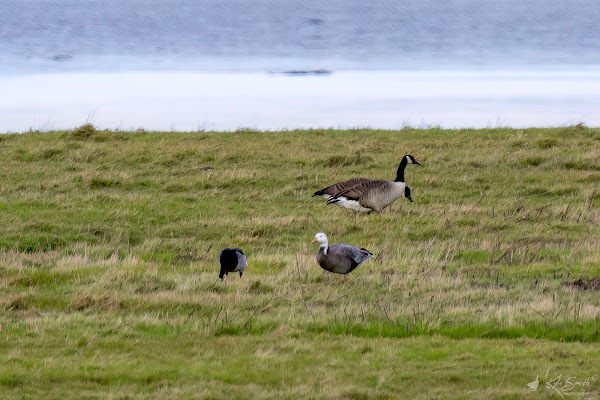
400, 172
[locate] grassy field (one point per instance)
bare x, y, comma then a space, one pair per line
108, 265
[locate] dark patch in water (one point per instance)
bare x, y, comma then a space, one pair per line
308, 72
62, 57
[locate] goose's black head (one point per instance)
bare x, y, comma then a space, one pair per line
407, 194
407, 159
411, 160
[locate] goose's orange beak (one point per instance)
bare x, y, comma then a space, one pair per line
314, 240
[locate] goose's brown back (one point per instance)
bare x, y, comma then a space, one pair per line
341, 186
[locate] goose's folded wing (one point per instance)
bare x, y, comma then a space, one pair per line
356, 254
358, 191
341, 186
242, 261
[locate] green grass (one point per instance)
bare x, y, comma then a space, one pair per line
108, 265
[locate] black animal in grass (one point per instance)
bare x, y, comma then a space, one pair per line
232, 260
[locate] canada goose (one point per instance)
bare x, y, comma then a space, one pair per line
339, 258
232, 260
336, 188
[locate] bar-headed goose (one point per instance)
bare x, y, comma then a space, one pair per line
339, 258
336, 188
232, 260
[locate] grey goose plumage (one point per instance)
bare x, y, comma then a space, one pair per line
339, 258
232, 260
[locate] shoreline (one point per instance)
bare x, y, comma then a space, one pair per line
180, 101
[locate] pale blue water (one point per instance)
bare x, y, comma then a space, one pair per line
207, 64
274, 35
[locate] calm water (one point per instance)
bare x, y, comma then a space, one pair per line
276, 35
530, 40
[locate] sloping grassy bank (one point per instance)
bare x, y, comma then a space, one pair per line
109, 240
